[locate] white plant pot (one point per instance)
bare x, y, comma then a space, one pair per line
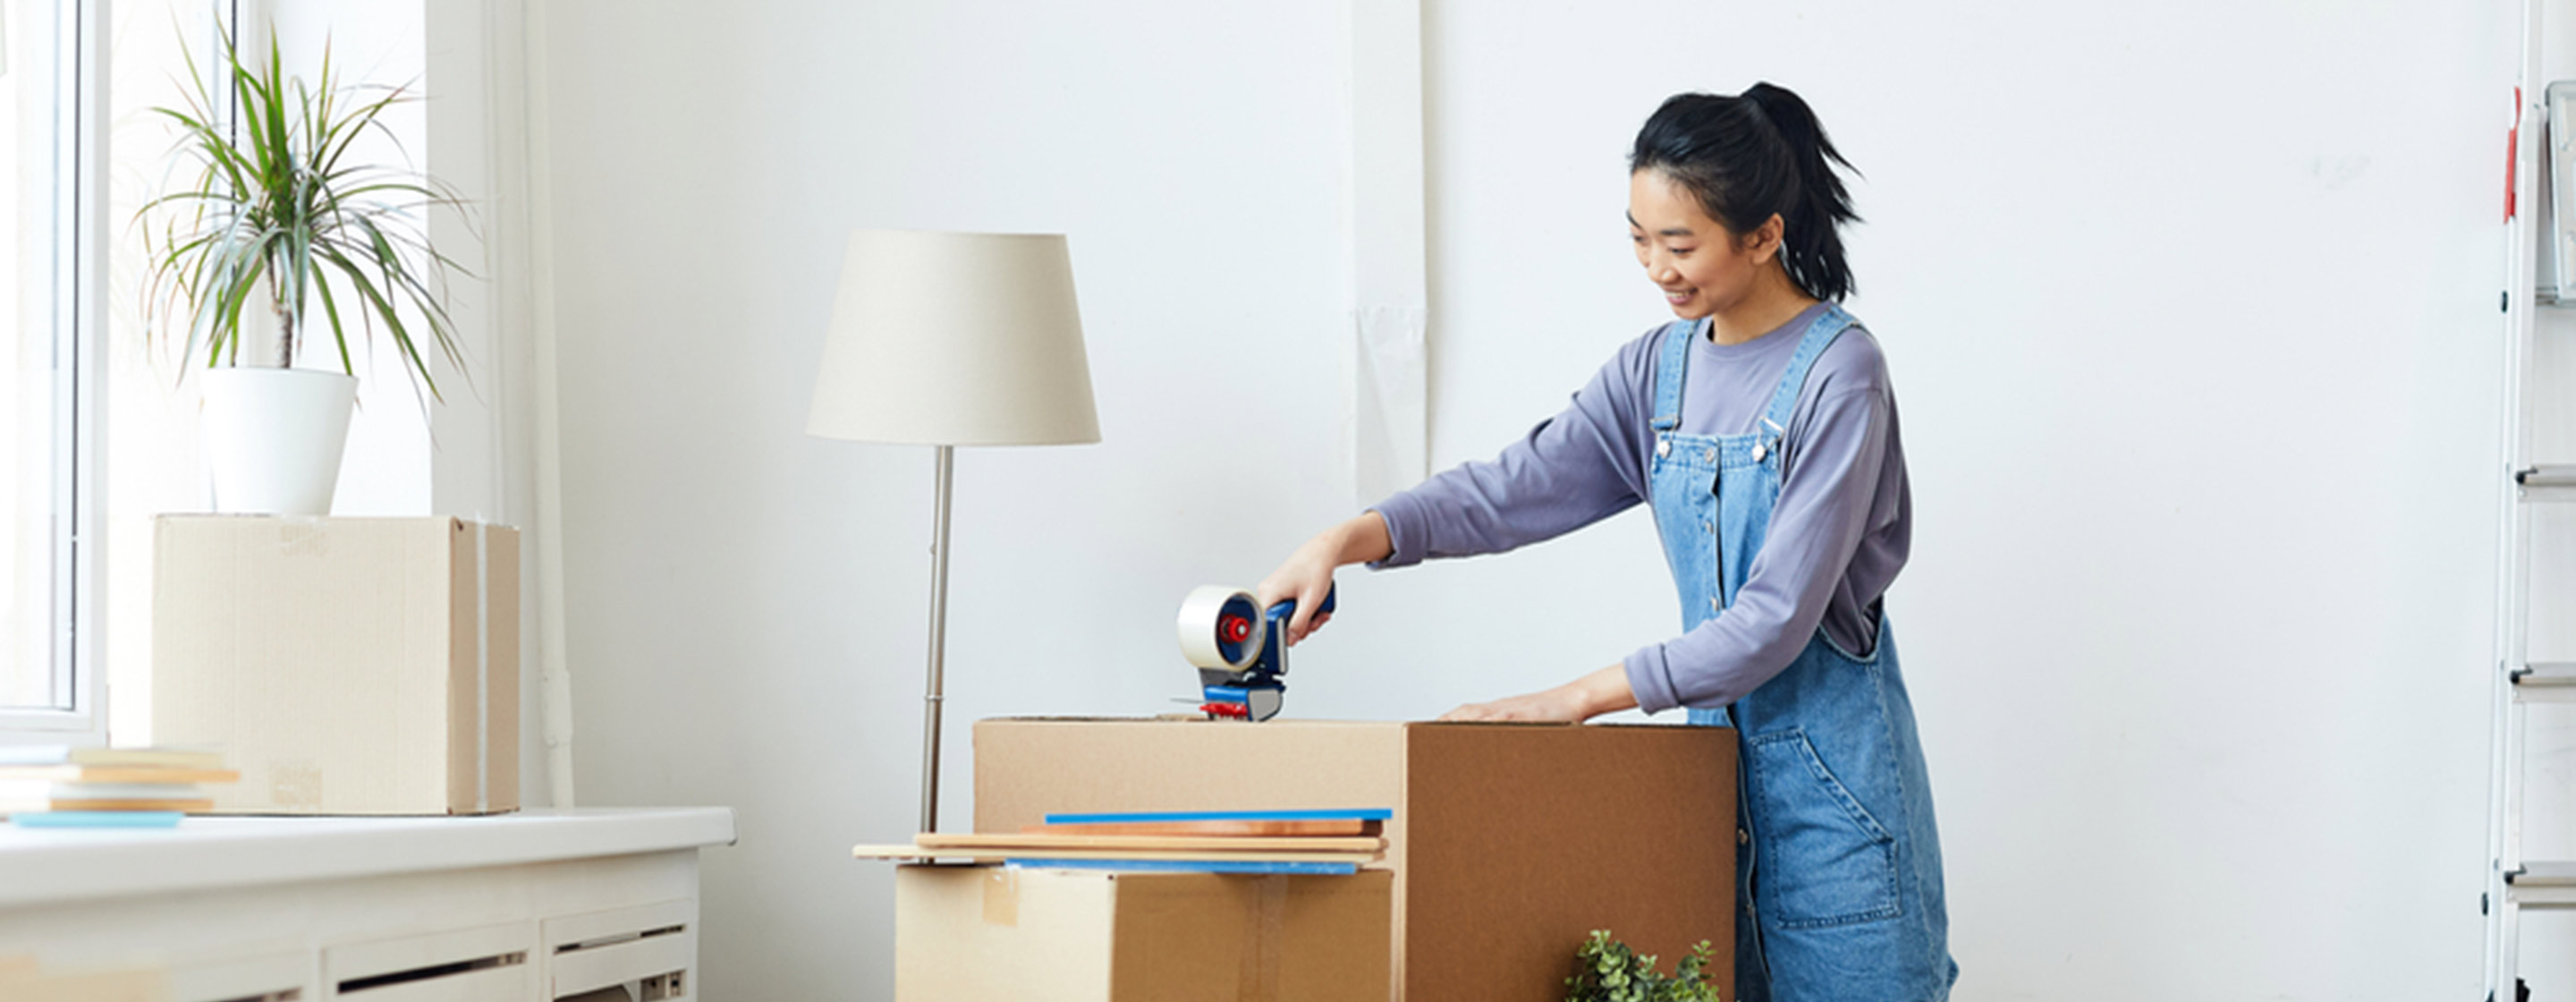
274, 438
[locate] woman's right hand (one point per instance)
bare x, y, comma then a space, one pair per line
1307, 575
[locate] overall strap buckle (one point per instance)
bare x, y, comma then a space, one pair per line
1672, 358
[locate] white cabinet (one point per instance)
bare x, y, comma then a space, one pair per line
540, 905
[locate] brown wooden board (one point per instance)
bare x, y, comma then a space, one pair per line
116, 774
1027, 844
142, 758
37, 806
921, 852
1341, 826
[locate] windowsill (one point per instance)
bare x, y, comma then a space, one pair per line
53, 865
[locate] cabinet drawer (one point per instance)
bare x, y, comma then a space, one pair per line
485, 964
655, 946
233, 979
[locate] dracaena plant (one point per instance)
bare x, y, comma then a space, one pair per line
276, 196
1606, 970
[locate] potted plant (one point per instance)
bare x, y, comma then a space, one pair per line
1606, 970
278, 218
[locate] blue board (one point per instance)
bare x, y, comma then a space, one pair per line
1328, 814
97, 819
1190, 865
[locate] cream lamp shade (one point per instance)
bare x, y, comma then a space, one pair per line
955, 339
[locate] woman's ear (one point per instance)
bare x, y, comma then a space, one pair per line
1764, 242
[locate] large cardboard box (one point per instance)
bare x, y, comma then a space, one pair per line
344, 665
1509, 842
978, 933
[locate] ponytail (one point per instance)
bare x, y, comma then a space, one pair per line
1748, 158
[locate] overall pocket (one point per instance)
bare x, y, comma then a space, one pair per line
1826, 861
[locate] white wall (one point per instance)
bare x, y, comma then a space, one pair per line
2191, 309
748, 605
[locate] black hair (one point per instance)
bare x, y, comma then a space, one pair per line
1749, 157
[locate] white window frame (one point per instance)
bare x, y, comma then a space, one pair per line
79, 264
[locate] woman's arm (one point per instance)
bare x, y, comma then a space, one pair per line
1576, 468
1307, 575
1586, 463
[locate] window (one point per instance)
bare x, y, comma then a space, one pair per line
154, 461
98, 424
49, 302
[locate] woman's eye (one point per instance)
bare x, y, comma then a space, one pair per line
1683, 251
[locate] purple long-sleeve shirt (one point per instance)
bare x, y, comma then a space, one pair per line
1838, 533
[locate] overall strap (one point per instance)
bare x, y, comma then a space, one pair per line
1668, 372
1820, 335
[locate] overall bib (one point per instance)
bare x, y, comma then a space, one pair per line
1838, 866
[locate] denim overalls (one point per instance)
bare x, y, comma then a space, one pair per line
1838, 866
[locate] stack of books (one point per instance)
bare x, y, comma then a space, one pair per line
1304, 841
61, 786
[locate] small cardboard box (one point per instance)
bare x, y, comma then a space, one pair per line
977, 933
1510, 843
344, 665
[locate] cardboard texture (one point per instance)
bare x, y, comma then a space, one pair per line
988, 932
344, 665
1510, 842
26, 984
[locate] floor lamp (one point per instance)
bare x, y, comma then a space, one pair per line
950, 339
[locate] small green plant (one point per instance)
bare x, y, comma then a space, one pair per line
1606, 970
275, 201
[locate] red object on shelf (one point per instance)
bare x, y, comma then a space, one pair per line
1225, 709
2512, 154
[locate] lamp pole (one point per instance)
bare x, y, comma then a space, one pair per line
938, 642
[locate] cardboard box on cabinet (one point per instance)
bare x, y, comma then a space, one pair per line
343, 665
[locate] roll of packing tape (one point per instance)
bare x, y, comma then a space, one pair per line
1221, 628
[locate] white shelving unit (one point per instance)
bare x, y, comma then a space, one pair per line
2534, 480
529, 907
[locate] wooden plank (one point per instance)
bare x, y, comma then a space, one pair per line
900, 852
1342, 827
191, 806
117, 774
1302, 866
919, 852
149, 758
1108, 843
1132, 817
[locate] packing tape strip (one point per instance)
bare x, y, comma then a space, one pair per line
1001, 895
1199, 614
1265, 933
482, 668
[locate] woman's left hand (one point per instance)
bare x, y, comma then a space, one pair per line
1604, 691
1545, 707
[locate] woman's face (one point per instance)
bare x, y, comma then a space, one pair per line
1701, 267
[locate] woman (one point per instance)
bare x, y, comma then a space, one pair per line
1762, 430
